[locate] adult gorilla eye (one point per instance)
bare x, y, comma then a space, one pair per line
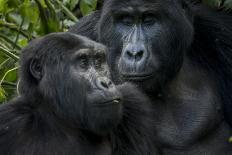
149, 19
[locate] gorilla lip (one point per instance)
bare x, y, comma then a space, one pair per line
115, 101
137, 77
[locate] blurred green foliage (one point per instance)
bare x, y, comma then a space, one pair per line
23, 20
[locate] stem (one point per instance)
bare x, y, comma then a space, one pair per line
7, 74
17, 37
66, 11
10, 41
6, 83
9, 54
15, 28
4, 62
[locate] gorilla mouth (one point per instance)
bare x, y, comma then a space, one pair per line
137, 77
115, 101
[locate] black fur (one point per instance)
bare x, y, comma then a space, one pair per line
53, 114
191, 91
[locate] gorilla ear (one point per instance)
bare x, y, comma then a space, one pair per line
36, 69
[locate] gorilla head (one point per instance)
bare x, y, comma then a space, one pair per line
70, 73
147, 39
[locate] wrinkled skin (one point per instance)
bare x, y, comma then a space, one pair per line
179, 54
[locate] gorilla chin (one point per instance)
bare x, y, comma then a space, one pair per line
146, 82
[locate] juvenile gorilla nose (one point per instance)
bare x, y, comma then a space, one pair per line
134, 52
104, 83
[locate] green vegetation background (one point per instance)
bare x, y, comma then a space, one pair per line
24, 20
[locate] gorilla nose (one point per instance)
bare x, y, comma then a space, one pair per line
134, 52
104, 83
136, 55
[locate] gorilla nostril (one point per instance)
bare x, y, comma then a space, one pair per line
139, 55
104, 84
136, 55
110, 84
129, 53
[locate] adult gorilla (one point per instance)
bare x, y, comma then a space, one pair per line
69, 106
180, 54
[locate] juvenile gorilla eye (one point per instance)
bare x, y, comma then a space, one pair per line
83, 62
149, 19
99, 61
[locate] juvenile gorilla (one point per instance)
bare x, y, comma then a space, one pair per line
69, 106
180, 54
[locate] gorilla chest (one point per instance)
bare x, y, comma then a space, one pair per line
188, 110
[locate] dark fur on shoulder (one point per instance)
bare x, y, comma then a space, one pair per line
212, 49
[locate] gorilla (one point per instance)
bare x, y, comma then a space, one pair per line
180, 54
69, 106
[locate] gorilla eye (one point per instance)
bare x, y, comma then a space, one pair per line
98, 62
149, 19
126, 20
84, 62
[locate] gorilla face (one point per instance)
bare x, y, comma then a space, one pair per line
77, 84
147, 39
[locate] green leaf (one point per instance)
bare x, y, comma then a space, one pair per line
73, 3
2, 95
14, 3
23, 42
228, 5
43, 4
89, 2
14, 17
87, 6
213, 3
30, 11
3, 6
230, 139
11, 76
68, 23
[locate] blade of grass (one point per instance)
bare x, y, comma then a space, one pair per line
9, 41
66, 11
13, 69
9, 53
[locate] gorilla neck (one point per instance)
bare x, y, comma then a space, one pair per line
185, 111
50, 119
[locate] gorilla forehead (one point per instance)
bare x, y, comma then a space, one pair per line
138, 5
59, 45
135, 3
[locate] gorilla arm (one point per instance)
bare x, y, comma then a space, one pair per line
137, 125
